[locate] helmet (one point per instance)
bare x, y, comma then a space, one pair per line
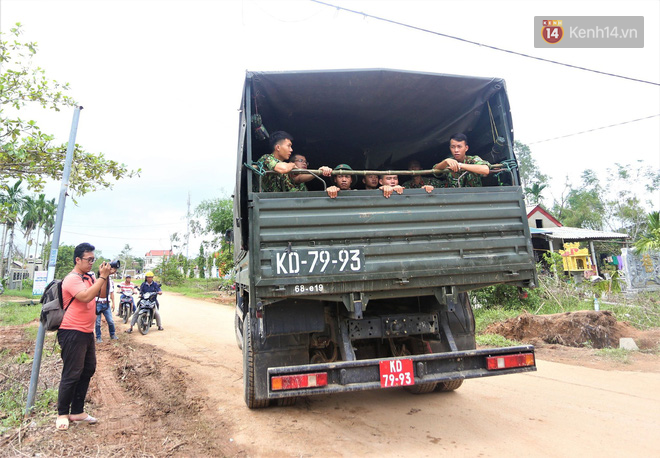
149, 274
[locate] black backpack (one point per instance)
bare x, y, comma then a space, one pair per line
52, 309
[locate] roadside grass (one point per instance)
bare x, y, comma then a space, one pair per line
641, 311
618, 355
16, 370
497, 304
12, 314
495, 340
26, 293
198, 287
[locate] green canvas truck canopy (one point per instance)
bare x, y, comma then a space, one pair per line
379, 118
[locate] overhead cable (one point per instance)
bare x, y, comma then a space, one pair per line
592, 130
421, 29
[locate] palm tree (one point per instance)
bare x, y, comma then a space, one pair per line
41, 204
534, 193
650, 239
12, 203
29, 220
48, 223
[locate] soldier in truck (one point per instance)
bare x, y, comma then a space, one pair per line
301, 163
419, 181
466, 170
281, 144
390, 184
342, 182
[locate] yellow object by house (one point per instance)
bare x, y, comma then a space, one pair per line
575, 259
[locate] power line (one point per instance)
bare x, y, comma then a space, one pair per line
135, 225
593, 130
107, 236
481, 44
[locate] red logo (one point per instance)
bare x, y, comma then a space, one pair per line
552, 31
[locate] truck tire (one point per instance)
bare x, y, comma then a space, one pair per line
238, 330
417, 347
449, 386
286, 402
248, 367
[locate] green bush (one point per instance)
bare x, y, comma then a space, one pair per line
507, 297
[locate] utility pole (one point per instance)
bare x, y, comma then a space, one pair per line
41, 333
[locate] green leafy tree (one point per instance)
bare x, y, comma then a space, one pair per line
650, 239
216, 218
626, 211
170, 271
582, 206
532, 180
64, 263
27, 153
201, 261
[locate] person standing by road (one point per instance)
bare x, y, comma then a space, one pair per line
149, 286
465, 170
106, 295
76, 336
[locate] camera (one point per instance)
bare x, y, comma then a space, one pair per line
115, 264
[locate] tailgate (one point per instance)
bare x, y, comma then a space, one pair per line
314, 245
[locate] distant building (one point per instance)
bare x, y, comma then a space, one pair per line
154, 258
548, 234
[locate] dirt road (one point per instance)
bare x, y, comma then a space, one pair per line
560, 410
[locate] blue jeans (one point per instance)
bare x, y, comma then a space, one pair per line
107, 313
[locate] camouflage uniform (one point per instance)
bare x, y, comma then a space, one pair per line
469, 180
276, 182
435, 182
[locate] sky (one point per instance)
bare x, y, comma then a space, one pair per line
161, 82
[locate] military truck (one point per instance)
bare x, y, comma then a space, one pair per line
364, 292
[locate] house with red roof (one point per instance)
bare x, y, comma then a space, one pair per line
154, 258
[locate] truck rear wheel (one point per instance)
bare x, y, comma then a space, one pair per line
248, 367
418, 347
449, 386
286, 402
238, 329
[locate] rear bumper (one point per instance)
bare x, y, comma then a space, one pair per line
432, 367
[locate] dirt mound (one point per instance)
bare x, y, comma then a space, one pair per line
596, 329
144, 405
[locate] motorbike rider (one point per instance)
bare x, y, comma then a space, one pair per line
126, 289
149, 286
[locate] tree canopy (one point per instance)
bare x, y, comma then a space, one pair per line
26, 152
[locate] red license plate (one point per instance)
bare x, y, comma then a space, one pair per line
396, 372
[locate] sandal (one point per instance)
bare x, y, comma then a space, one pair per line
62, 424
88, 419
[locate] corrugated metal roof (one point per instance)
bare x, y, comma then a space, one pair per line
576, 233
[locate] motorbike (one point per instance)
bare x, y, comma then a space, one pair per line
145, 311
125, 305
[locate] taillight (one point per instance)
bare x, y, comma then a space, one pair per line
509, 361
294, 382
